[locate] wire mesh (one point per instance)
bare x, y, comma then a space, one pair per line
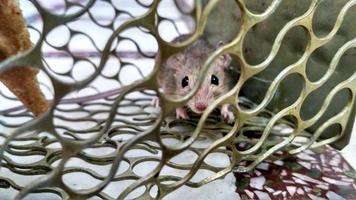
102, 127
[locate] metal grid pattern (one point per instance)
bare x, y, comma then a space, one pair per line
127, 131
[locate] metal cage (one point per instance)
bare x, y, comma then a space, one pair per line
295, 90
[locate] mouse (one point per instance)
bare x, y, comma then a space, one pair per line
179, 74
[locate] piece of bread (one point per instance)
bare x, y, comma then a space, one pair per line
15, 38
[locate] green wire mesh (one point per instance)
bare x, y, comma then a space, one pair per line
116, 132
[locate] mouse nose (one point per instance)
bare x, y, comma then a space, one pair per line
200, 107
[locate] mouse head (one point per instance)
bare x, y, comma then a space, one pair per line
187, 65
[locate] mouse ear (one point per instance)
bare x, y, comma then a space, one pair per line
220, 44
224, 60
176, 61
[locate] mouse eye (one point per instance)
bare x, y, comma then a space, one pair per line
214, 80
185, 82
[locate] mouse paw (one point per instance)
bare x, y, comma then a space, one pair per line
227, 114
181, 113
155, 102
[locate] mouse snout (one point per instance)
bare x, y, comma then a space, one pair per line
200, 106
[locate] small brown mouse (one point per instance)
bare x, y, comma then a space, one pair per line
180, 72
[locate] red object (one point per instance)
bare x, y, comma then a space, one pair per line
200, 107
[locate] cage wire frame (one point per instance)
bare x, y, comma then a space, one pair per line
53, 138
